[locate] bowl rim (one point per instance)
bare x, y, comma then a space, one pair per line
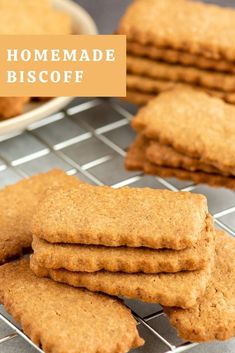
21, 122
78, 12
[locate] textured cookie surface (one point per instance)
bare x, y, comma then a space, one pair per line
148, 86
61, 318
136, 160
182, 24
88, 258
213, 317
18, 205
181, 289
138, 97
164, 155
179, 57
101, 215
178, 73
187, 115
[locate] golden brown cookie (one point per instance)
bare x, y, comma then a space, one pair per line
166, 156
177, 73
101, 215
12, 106
194, 27
19, 203
90, 258
213, 317
214, 180
60, 318
151, 87
179, 57
180, 289
194, 124
138, 97
136, 160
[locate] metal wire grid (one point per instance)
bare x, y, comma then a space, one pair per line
89, 139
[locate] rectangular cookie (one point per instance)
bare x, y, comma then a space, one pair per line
181, 289
166, 156
179, 57
90, 258
194, 124
194, 27
151, 87
136, 160
101, 215
60, 318
177, 73
19, 203
214, 180
213, 317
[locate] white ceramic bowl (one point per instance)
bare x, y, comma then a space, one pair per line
82, 23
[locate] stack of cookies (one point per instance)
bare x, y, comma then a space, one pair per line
180, 42
152, 245
57, 317
185, 133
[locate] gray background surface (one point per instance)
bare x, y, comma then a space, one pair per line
106, 14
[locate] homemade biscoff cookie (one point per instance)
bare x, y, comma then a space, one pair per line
214, 180
88, 258
19, 203
101, 215
164, 155
152, 87
180, 289
137, 97
179, 57
194, 124
213, 317
136, 160
185, 25
60, 318
177, 73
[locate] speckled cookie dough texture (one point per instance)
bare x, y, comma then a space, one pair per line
189, 26
101, 215
60, 318
213, 317
194, 124
19, 203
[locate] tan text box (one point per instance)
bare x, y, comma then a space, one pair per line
62, 65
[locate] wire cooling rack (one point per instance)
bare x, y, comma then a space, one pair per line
89, 139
